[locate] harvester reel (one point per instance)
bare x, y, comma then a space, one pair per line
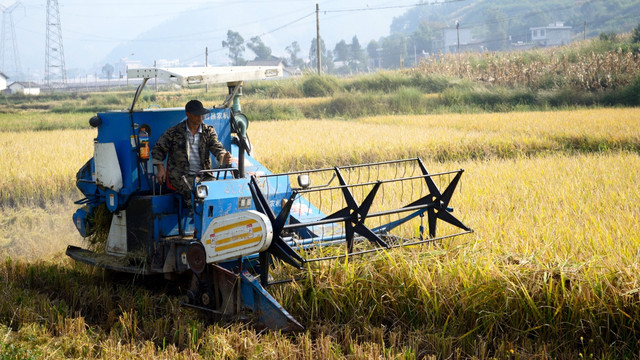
356, 215
278, 248
439, 202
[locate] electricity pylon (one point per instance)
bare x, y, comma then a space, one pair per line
55, 74
9, 58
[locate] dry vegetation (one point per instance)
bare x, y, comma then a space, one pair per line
551, 270
579, 66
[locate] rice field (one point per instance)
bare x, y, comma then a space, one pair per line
39, 166
551, 269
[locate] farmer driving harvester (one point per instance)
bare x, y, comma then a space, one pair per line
188, 145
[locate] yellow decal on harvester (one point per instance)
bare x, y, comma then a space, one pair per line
239, 236
239, 243
231, 226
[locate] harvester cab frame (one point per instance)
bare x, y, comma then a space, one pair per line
247, 218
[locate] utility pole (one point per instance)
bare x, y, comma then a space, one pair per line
318, 52
206, 64
584, 31
54, 53
156, 78
458, 32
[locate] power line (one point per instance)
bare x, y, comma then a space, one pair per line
195, 35
287, 24
392, 6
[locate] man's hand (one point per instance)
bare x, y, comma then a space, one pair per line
227, 159
161, 173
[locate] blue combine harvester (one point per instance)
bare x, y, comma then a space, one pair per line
247, 218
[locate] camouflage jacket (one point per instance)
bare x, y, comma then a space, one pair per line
174, 142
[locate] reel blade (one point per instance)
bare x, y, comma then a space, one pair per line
448, 217
432, 217
448, 192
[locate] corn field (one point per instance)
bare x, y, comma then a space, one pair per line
539, 69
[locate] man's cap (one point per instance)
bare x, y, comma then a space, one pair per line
195, 107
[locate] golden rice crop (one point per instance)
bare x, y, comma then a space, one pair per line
573, 211
40, 166
302, 102
290, 101
553, 257
540, 223
326, 143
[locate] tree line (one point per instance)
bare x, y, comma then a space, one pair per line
345, 57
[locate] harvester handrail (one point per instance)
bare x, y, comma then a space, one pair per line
217, 172
337, 187
206, 171
299, 172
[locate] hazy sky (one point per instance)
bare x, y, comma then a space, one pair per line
91, 29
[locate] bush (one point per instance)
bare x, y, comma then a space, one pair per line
494, 99
319, 86
430, 84
407, 100
353, 105
608, 37
271, 111
567, 97
378, 82
635, 35
629, 95
281, 88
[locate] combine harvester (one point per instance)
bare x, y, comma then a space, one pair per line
248, 218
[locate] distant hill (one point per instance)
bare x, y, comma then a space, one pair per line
498, 20
188, 34
184, 38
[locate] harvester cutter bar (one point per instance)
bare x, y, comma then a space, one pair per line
395, 246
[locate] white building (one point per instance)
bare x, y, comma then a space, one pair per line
3, 81
552, 35
287, 71
26, 88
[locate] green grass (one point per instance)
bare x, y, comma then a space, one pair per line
386, 93
42, 121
